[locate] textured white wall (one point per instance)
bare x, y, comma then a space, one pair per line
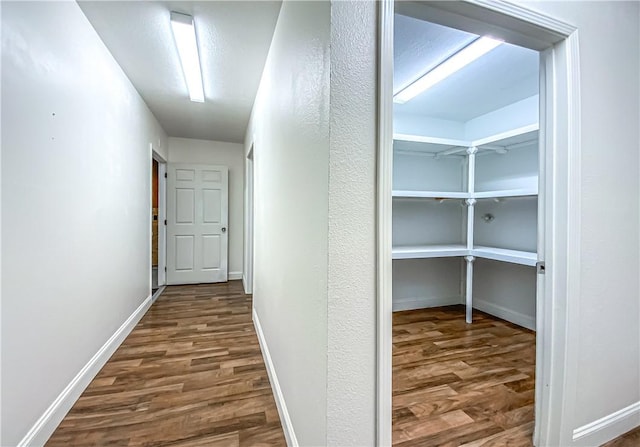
76, 188
290, 123
352, 226
187, 150
314, 154
607, 318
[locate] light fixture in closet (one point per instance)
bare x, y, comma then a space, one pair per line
184, 34
457, 61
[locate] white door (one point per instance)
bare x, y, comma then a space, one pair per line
197, 217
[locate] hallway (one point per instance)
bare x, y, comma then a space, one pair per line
189, 374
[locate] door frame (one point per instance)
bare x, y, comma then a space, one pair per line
162, 215
249, 230
559, 288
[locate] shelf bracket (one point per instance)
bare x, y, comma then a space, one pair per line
470, 202
472, 150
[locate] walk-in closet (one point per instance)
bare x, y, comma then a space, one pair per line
465, 234
465, 178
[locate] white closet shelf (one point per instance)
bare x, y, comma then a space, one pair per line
429, 251
505, 193
510, 137
430, 140
452, 251
465, 195
502, 254
431, 194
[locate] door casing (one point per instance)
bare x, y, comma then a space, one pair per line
162, 215
559, 224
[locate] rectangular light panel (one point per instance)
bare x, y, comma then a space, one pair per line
184, 34
459, 60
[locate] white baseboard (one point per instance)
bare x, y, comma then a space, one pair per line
235, 275
506, 314
609, 427
157, 294
424, 302
49, 421
287, 426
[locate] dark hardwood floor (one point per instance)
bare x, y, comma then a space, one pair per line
456, 384
465, 385
189, 374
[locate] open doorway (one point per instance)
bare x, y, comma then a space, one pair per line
463, 221
465, 232
158, 223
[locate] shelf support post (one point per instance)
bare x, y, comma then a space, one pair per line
470, 221
471, 164
469, 291
471, 202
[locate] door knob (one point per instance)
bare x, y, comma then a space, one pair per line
224, 229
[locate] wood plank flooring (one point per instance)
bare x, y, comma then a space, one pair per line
456, 384
465, 385
189, 374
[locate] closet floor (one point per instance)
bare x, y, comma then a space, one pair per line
456, 384
189, 374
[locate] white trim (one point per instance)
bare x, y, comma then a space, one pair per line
155, 296
51, 418
550, 24
287, 425
162, 215
556, 344
162, 229
628, 418
233, 276
384, 277
506, 314
249, 219
425, 302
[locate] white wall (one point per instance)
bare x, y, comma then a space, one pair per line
187, 150
605, 325
314, 280
76, 188
290, 123
352, 225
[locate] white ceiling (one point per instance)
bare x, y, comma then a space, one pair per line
233, 40
499, 78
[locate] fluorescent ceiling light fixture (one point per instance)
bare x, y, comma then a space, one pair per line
461, 59
184, 33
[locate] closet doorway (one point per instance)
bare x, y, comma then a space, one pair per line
469, 113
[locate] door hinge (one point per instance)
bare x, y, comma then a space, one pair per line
165, 221
165, 175
540, 267
165, 268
